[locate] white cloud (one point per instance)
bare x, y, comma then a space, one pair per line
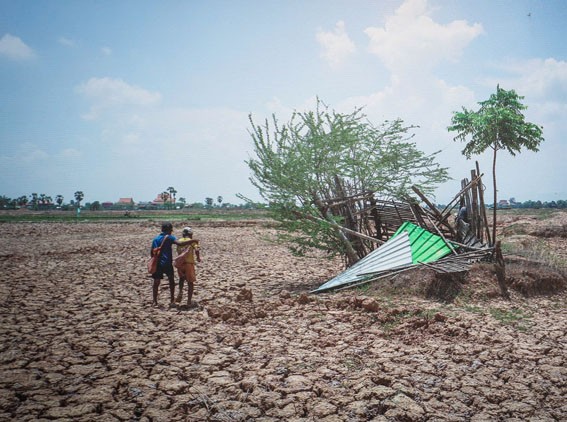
116, 91
537, 78
107, 51
66, 42
411, 41
107, 93
14, 48
337, 45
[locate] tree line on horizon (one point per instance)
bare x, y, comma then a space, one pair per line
42, 202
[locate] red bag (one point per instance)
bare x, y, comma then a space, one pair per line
154, 260
179, 262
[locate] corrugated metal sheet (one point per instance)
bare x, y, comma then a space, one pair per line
425, 246
409, 245
396, 252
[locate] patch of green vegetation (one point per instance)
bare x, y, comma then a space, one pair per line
473, 309
427, 313
510, 316
363, 289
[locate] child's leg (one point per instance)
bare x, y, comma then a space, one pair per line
180, 294
190, 286
171, 287
155, 289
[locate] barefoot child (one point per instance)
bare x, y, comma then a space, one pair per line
187, 270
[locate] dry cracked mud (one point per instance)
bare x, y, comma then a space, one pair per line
79, 340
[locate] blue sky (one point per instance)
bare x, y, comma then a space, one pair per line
126, 98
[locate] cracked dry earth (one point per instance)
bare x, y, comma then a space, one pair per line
80, 341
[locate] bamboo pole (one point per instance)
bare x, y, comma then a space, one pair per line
483, 207
433, 208
442, 237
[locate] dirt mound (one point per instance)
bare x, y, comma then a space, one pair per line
533, 279
479, 283
551, 231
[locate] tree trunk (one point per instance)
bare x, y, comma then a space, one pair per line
500, 267
350, 252
495, 198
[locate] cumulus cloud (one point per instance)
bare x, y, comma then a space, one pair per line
107, 93
337, 45
412, 40
14, 48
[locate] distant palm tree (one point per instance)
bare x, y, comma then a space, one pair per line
34, 200
172, 193
79, 195
22, 200
164, 197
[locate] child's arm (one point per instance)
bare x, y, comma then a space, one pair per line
185, 242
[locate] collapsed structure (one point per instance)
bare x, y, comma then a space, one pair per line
395, 236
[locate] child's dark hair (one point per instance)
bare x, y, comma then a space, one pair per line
165, 227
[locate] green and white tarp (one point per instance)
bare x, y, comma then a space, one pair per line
409, 245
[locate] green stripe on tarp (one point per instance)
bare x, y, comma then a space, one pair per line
425, 246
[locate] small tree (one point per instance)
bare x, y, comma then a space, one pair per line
219, 200
499, 125
209, 202
316, 154
59, 199
183, 201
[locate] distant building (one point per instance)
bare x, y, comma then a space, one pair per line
504, 204
158, 201
125, 201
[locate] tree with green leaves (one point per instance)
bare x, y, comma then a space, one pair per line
317, 155
498, 124
79, 195
209, 202
22, 200
59, 200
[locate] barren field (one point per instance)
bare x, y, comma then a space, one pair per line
79, 340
